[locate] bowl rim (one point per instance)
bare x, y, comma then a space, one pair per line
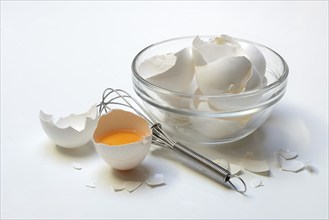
280, 81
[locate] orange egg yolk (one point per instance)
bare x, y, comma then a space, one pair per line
121, 136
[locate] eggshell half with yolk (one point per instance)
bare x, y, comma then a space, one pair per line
127, 155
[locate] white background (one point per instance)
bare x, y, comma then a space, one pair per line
60, 56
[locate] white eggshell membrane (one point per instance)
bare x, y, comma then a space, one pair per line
71, 131
127, 156
178, 77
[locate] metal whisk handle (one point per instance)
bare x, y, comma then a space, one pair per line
209, 168
201, 163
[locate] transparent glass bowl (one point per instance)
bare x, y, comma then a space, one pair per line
178, 117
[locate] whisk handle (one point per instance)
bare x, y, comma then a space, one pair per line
201, 163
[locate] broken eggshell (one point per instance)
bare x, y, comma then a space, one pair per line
207, 52
179, 76
225, 75
72, 131
125, 156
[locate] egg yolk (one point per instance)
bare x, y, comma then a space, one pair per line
121, 136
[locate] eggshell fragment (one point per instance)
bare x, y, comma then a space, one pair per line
118, 186
234, 169
223, 163
156, 180
256, 166
178, 77
255, 56
126, 156
256, 183
156, 65
211, 51
71, 131
91, 184
292, 165
131, 186
287, 154
226, 75
76, 166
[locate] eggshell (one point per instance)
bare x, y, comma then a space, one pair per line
156, 65
71, 131
226, 75
156, 180
223, 163
256, 166
256, 182
178, 77
215, 127
211, 51
131, 186
292, 165
287, 154
255, 56
127, 156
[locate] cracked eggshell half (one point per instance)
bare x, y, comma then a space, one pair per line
72, 131
173, 72
225, 75
123, 156
219, 47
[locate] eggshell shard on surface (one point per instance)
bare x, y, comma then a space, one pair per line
131, 186
71, 131
91, 184
179, 76
118, 186
156, 180
292, 165
256, 166
223, 163
234, 169
125, 156
76, 166
256, 183
287, 154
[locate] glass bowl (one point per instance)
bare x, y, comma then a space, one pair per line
178, 117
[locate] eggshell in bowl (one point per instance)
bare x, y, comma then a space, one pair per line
125, 156
215, 49
216, 127
72, 131
178, 77
226, 75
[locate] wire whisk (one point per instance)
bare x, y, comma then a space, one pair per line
115, 97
